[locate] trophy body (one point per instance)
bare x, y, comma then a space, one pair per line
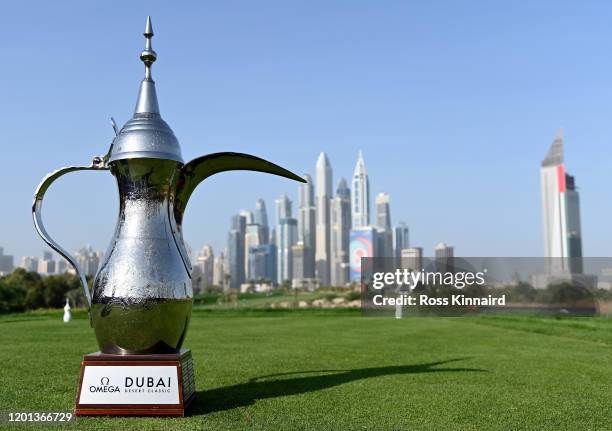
142, 295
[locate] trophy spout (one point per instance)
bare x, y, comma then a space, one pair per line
197, 170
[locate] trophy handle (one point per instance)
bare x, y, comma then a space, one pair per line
97, 164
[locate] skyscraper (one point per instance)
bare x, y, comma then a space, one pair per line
87, 259
445, 258
307, 225
323, 196
29, 263
286, 237
235, 250
248, 216
252, 238
46, 265
360, 195
6, 262
272, 238
561, 212
62, 266
262, 266
383, 225
261, 218
340, 231
205, 266
383, 211
401, 238
219, 270
412, 258
283, 208
297, 252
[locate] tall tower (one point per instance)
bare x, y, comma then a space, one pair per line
360, 195
340, 231
286, 238
323, 196
261, 218
235, 250
219, 270
383, 225
252, 238
383, 211
205, 264
561, 212
307, 226
248, 240
283, 208
401, 239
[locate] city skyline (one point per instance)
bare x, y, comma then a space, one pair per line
387, 91
313, 246
258, 257
560, 214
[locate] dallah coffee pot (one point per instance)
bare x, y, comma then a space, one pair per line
142, 294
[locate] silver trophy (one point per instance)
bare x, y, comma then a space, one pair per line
142, 294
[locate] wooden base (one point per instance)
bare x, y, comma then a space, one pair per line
135, 385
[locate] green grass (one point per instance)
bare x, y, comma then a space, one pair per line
338, 370
262, 301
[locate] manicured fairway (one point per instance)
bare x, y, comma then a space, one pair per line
305, 370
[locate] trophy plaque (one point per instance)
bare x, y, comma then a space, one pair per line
141, 300
153, 385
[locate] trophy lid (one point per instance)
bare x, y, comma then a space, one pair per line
146, 134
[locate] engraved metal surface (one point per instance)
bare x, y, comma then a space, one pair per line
142, 293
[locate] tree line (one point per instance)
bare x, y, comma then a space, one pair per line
22, 290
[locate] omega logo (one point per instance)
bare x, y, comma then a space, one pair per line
104, 386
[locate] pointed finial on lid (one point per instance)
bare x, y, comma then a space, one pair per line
148, 56
147, 97
146, 134
149, 28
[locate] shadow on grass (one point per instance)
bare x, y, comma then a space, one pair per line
257, 388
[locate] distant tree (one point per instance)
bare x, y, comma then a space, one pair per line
22, 290
11, 298
31, 283
521, 292
568, 293
525, 291
56, 288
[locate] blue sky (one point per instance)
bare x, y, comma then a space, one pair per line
454, 105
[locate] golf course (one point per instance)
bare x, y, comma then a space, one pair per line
334, 369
